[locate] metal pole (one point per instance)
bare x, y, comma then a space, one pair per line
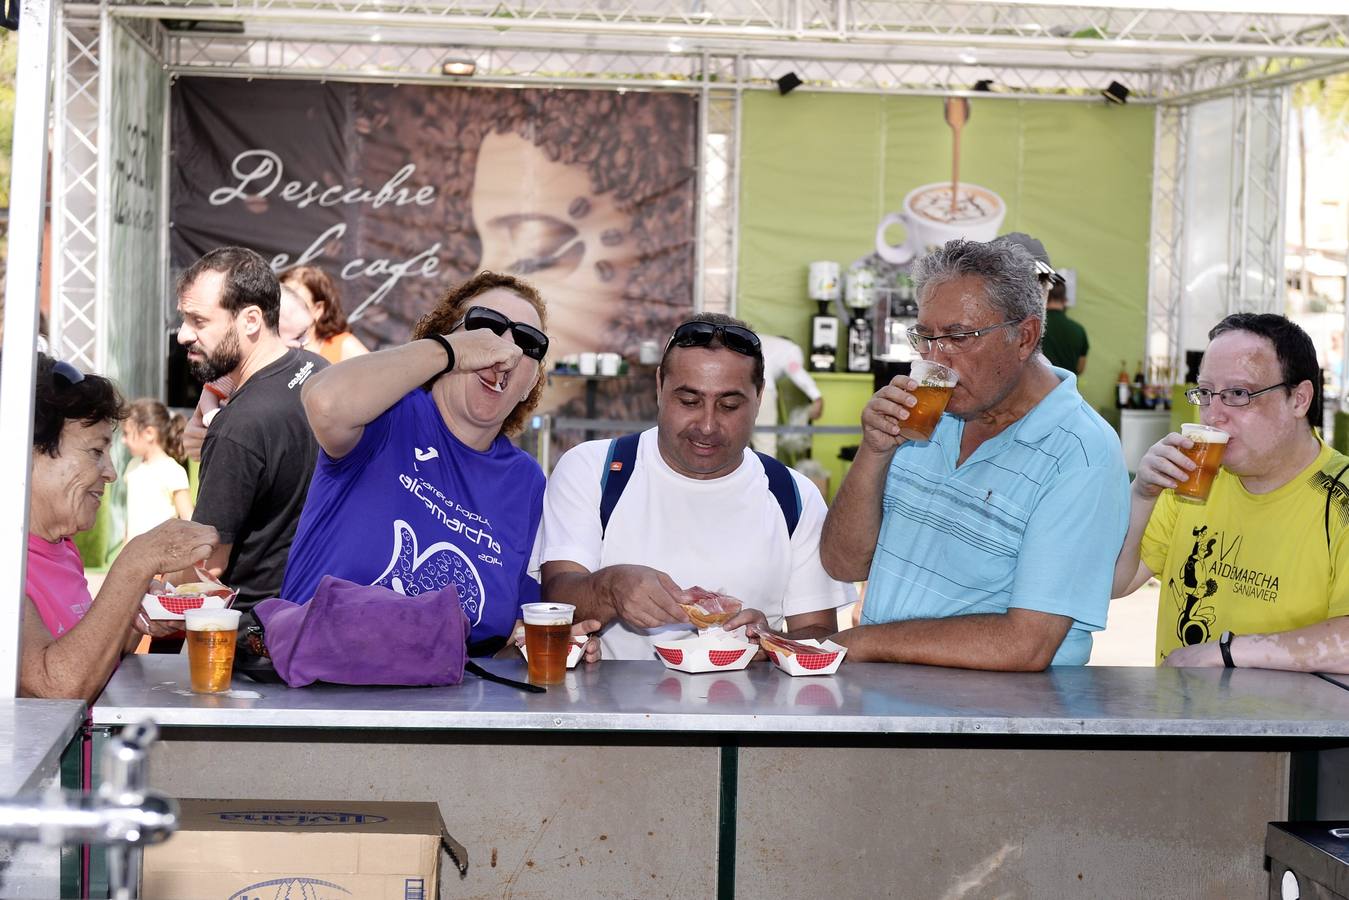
17, 368
699, 257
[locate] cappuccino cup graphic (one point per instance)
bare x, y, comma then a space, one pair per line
929, 220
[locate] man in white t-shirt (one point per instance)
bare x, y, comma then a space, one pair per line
696, 508
782, 359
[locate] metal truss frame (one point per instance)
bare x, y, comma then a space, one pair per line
1256, 223
720, 48
75, 190
1166, 258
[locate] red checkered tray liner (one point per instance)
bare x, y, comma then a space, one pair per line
699, 654
715, 657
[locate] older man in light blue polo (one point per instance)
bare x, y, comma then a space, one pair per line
992, 545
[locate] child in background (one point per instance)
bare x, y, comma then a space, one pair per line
156, 481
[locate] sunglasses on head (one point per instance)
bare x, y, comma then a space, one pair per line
733, 337
532, 342
66, 372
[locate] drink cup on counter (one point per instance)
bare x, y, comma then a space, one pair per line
588, 363
547, 640
211, 634
610, 363
935, 383
1207, 454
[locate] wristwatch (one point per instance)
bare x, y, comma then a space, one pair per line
1225, 648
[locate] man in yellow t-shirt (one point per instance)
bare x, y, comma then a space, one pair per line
1259, 575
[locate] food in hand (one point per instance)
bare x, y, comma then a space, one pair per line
709, 608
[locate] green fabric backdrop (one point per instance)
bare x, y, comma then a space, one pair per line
818, 171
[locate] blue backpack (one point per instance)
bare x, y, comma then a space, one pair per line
623, 458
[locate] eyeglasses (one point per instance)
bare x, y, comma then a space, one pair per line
66, 372
1230, 396
956, 341
700, 334
532, 342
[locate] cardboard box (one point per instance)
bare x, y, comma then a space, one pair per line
319, 850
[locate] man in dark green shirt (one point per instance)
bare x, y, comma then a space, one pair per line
1065, 341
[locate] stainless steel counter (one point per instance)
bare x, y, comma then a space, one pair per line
631, 778
860, 699
33, 734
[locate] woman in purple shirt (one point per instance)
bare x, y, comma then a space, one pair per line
418, 486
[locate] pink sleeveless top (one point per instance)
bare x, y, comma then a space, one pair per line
56, 583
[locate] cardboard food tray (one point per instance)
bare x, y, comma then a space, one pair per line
705, 653
823, 663
172, 606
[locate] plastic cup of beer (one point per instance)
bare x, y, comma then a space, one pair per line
935, 383
547, 640
1207, 454
211, 634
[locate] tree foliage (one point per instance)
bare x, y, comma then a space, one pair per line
9, 53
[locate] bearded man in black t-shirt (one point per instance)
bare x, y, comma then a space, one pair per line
259, 452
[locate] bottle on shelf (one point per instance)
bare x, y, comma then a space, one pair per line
1138, 398
1122, 386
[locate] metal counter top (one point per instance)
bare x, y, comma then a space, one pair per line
33, 734
866, 698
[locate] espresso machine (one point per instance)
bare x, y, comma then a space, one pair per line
894, 311
823, 288
860, 295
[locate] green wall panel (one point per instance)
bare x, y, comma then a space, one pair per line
818, 171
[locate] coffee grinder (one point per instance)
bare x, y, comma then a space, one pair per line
859, 294
824, 290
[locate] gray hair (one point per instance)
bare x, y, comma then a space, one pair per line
1006, 269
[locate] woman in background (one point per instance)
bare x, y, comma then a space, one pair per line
329, 336
156, 480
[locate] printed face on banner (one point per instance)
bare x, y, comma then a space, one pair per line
540, 219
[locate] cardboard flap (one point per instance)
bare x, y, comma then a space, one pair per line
455, 849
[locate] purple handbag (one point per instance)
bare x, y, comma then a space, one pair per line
363, 634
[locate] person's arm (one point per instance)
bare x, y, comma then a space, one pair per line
1323, 647
352, 346
638, 595
853, 525
182, 503
1020, 640
819, 624
1162, 467
341, 400
78, 663
214, 395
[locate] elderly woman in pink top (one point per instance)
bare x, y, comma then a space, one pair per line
71, 643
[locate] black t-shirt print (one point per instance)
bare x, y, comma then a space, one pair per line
256, 464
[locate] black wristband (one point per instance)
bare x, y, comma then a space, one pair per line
1225, 648
449, 350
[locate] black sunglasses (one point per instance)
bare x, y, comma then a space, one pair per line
733, 337
66, 372
532, 342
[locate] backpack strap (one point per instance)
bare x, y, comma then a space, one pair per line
622, 458
783, 488
1330, 493
617, 470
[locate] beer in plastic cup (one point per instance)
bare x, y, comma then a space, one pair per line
935, 383
210, 648
1207, 454
547, 640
